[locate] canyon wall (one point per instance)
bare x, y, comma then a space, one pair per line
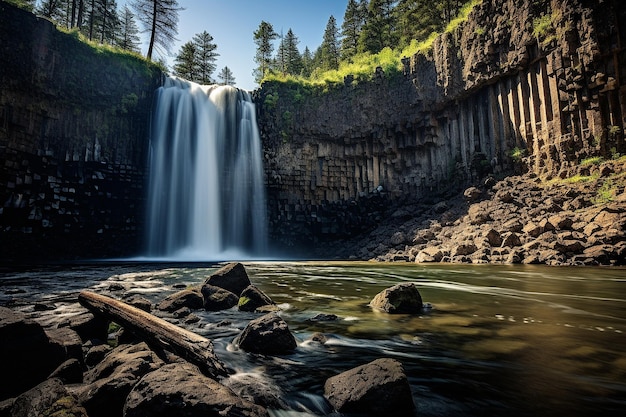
490, 97
73, 143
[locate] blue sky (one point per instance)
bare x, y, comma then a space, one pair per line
232, 23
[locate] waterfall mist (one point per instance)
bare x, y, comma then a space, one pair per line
206, 195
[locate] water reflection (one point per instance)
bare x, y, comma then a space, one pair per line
520, 341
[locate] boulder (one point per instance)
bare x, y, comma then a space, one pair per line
463, 249
109, 383
69, 372
95, 354
26, 355
67, 342
87, 326
472, 194
191, 298
377, 388
429, 254
216, 298
511, 240
252, 298
402, 298
139, 302
268, 334
258, 389
477, 214
180, 389
50, 398
232, 277
493, 237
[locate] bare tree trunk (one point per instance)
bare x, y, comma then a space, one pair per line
157, 332
153, 31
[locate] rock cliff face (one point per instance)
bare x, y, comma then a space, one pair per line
492, 96
73, 143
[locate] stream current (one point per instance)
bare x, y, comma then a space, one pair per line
498, 340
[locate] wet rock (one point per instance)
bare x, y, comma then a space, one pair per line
95, 354
403, 298
377, 388
29, 357
50, 398
87, 326
69, 372
108, 384
269, 334
67, 342
217, 298
322, 317
253, 298
232, 277
179, 389
139, 302
191, 298
257, 389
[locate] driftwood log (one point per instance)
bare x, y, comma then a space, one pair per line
155, 331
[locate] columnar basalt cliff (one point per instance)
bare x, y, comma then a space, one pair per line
73, 141
488, 90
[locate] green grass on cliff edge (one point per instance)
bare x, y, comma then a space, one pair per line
363, 66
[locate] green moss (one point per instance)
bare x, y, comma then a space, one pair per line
517, 154
605, 194
594, 160
243, 301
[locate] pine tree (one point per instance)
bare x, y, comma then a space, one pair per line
353, 21
292, 54
263, 38
52, 9
160, 19
185, 62
205, 57
379, 30
226, 77
128, 38
307, 62
329, 49
280, 60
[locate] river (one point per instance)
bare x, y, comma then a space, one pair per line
497, 340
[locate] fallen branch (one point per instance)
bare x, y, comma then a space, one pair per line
188, 345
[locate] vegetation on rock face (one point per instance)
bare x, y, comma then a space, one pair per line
356, 62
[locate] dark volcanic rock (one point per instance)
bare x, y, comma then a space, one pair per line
179, 389
400, 299
26, 353
69, 372
216, 298
269, 334
191, 299
50, 398
377, 388
109, 382
232, 277
252, 298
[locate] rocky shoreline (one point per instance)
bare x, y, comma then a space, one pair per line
576, 218
86, 365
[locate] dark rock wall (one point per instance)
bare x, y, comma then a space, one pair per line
454, 116
73, 144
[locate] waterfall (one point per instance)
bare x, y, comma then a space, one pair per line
206, 195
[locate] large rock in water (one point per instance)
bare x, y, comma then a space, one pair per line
253, 298
179, 389
400, 299
216, 298
232, 277
268, 334
191, 299
379, 388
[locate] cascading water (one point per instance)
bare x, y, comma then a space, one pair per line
206, 196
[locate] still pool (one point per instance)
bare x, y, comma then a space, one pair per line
498, 340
